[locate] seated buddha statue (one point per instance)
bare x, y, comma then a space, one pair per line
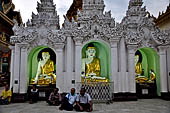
91, 66
139, 72
45, 71
138, 66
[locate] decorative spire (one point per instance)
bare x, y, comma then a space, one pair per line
136, 16
93, 7
47, 15
133, 3
135, 8
46, 6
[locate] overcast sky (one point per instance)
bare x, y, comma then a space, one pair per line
118, 7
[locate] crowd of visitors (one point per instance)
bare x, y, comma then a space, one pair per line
79, 102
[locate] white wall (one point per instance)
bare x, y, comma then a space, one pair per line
168, 63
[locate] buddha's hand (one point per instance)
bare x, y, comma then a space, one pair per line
92, 74
36, 79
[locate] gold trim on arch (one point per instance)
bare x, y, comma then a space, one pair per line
6, 18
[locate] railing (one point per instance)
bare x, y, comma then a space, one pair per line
99, 91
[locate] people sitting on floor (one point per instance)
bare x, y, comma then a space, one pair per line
54, 98
6, 96
34, 95
83, 101
68, 101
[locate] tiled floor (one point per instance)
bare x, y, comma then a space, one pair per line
140, 106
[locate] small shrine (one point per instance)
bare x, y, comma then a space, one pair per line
91, 48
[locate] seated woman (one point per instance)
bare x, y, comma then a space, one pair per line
54, 98
34, 94
6, 96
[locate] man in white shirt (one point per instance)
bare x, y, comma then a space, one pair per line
34, 94
83, 101
69, 101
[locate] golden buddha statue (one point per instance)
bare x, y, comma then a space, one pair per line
91, 67
140, 78
45, 71
138, 65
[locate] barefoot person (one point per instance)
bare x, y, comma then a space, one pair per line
54, 98
6, 96
69, 101
83, 101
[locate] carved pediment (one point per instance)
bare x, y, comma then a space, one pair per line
161, 37
37, 36
140, 28
134, 37
56, 36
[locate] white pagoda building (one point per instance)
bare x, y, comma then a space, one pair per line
116, 45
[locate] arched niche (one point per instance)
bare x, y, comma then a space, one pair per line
33, 58
150, 60
103, 53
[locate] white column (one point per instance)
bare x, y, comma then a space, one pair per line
78, 44
131, 68
78, 60
163, 69
168, 61
16, 69
69, 55
123, 66
114, 65
12, 66
69, 65
23, 69
59, 68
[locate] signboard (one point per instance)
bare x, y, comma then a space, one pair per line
41, 94
144, 91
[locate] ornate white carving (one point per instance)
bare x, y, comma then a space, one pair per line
56, 36
137, 27
161, 37
92, 24
42, 29
140, 29
46, 16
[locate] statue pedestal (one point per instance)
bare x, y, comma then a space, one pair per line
146, 90
43, 81
90, 79
44, 91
